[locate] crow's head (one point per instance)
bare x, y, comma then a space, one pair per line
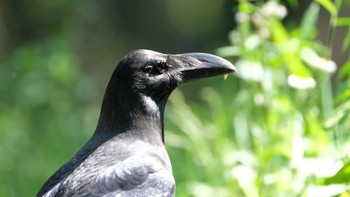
144, 79
155, 75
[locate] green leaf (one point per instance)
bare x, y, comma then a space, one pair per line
229, 51
343, 96
293, 3
342, 176
334, 119
338, 116
309, 20
345, 70
338, 4
346, 42
328, 5
342, 21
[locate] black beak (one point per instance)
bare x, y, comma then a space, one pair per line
202, 65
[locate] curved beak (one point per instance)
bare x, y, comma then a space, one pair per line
195, 66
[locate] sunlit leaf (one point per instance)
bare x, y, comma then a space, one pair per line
339, 3
245, 7
334, 119
342, 176
328, 5
309, 20
339, 115
229, 51
346, 43
342, 21
296, 67
343, 96
278, 31
345, 70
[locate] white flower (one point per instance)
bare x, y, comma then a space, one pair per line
264, 32
252, 42
301, 83
272, 8
259, 99
312, 58
320, 167
246, 67
327, 65
241, 17
258, 20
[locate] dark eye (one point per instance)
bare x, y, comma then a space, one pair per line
155, 67
149, 69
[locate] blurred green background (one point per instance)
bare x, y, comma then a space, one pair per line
280, 127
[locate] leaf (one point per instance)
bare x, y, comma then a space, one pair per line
346, 43
338, 4
334, 119
296, 67
345, 70
309, 20
293, 3
229, 51
342, 176
338, 116
342, 21
343, 96
328, 5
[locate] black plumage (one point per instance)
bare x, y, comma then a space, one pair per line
126, 154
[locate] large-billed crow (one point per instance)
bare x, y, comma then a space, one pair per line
126, 154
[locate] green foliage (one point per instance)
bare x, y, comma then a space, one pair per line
279, 127
342, 176
277, 134
43, 104
327, 4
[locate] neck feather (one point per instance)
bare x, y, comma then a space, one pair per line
124, 112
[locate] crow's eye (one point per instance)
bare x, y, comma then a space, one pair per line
155, 68
149, 69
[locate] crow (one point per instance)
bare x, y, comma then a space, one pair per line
126, 155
